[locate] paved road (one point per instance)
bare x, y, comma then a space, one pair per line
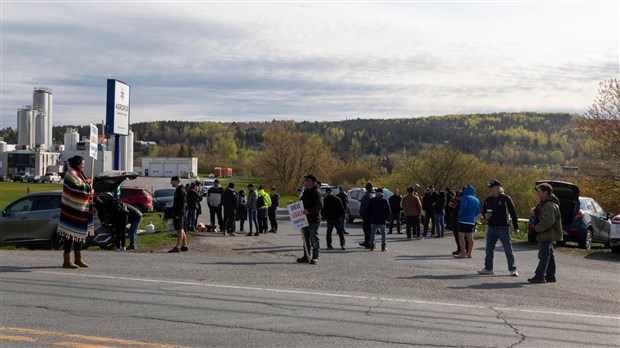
248, 291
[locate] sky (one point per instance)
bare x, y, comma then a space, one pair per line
322, 60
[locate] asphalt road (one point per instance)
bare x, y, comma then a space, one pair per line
248, 291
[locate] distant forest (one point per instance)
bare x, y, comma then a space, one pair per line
511, 138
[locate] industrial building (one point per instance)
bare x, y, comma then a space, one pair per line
185, 167
36, 152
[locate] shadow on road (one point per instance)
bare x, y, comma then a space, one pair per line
9, 269
490, 286
442, 277
423, 257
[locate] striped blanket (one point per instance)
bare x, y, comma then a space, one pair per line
76, 208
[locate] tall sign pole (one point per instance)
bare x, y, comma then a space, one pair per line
117, 115
94, 148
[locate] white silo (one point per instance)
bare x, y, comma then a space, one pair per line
71, 139
123, 140
25, 126
41, 129
43, 99
3, 146
130, 151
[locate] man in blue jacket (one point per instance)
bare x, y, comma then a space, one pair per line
468, 211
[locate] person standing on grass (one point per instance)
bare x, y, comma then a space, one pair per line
178, 211
548, 227
76, 212
468, 211
496, 210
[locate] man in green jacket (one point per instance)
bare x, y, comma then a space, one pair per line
549, 228
262, 209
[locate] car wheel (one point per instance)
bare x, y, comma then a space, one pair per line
347, 217
139, 207
586, 241
58, 243
531, 236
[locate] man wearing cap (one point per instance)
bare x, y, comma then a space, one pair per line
313, 203
495, 211
273, 208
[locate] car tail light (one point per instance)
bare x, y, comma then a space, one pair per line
579, 215
616, 220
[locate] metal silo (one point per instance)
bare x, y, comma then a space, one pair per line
123, 155
25, 126
71, 139
41, 129
43, 99
130, 151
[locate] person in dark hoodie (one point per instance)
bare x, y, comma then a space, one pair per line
332, 211
548, 226
439, 210
429, 198
468, 211
229, 202
193, 202
313, 204
365, 214
395, 206
379, 209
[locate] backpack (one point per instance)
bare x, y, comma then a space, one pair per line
260, 201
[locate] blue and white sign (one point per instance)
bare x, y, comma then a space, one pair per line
117, 108
296, 212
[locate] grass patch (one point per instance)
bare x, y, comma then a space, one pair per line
10, 191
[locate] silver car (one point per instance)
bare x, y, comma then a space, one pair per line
614, 235
32, 221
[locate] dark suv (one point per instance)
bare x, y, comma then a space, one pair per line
583, 220
137, 197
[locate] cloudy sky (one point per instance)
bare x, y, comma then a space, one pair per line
242, 61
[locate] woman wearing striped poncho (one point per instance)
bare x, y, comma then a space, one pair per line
76, 212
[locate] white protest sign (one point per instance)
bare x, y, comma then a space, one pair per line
94, 135
296, 212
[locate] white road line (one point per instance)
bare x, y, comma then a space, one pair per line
325, 294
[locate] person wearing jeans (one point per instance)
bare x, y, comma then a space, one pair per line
379, 209
439, 210
134, 218
548, 226
412, 207
252, 209
496, 210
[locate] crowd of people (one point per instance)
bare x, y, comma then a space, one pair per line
433, 213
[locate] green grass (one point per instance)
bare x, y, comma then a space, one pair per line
10, 191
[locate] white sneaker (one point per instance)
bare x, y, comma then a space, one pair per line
514, 273
485, 271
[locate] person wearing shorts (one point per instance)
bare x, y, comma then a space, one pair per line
178, 211
468, 211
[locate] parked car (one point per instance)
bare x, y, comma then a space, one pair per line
140, 198
32, 221
51, 177
163, 197
4, 177
355, 200
33, 179
205, 186
21, 176
614, 235
583, 220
